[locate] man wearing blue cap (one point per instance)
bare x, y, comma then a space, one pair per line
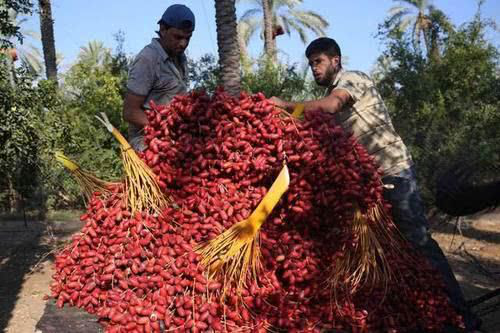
159, 71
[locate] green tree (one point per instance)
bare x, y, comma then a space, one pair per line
29, 126
266, 76
94, 84
120, 62
29, 55
446, 111
285, 81
95, 54
286, 17
204, 73
9, 28
19, 153
425, 22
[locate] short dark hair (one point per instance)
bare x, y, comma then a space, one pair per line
324, 45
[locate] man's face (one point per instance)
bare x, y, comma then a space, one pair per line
323, 68
175, 40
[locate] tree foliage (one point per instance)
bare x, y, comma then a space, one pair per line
37, 120
9, 28
272, 79
446, 111
94, 84
421, 20
19, 136
275, 79
285, 17
18, 43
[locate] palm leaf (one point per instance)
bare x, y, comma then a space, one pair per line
250, 14
247, 28
286, 24
311, 20
397, 10
256, 3
277, 4
405, 23
32, 58
298, 28
286, 15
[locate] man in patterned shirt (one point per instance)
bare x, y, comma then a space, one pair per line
357, 106
159, 71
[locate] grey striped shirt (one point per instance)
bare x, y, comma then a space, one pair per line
368, 119
154, 74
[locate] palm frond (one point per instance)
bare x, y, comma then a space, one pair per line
247, 28
289, 17
395, 20
276, 4
31, 57
286, 25
406, 22
422, 5
414, 3
257, 3
95, 53
438, 17
311, 20
250, 14
396, 10
302, 34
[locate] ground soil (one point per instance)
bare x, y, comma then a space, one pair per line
472, 246
473, 250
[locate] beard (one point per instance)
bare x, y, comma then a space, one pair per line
328, 77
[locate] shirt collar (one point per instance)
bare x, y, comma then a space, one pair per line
155, 42
337, 78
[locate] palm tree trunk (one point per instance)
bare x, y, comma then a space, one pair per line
227, 41
274, 48
269, 46
48, 43
434, 53
427, 41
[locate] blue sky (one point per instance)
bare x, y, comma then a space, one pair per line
352, 23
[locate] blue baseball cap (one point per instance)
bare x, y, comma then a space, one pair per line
178, 16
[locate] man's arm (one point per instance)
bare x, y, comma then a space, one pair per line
132, 110
332, 103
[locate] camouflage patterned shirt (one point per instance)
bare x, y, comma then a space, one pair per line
368, 119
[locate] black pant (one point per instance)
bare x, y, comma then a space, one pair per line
408, 215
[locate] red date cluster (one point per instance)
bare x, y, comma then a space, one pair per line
216, 156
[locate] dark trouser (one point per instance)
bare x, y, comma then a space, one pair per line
408, 215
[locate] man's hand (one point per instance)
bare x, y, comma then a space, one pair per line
332, 103
282, 103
